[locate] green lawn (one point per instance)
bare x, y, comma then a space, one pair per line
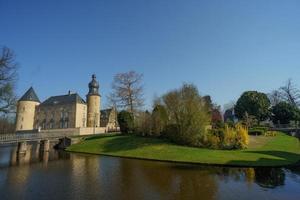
263, 151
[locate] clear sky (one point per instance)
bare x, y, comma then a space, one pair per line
224, 47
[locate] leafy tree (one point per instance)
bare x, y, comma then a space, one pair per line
208, 101
255, 104
188, 115
127, 91
159, 119
126, 121
8, 75
143, 123
216, 115
284, 112
249, 120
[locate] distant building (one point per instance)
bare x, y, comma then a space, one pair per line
229, 115
109, 119
62, 112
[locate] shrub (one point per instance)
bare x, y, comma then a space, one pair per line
126, 123
258, 130
170, 132
228, 138
270, 134
213, 142
242, 137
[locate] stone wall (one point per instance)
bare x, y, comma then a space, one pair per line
81, 113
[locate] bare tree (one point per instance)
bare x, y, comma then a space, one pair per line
127, 91
275, 97
291, 93
8, 75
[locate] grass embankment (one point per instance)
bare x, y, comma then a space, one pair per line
280, 150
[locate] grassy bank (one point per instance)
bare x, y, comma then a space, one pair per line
263, 151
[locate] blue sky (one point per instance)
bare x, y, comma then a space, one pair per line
224, 47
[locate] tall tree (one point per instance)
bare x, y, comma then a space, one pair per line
285, 112
254, 104
291, 93
188, 115
128, 91
8, 75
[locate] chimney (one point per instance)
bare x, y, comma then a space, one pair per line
69, 93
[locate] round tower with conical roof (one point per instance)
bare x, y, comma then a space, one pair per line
93, 104
26, 107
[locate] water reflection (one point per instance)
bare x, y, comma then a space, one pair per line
270, 178
60, 175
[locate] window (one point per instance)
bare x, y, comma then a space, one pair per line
66, 114
66, 124
44, 124
51, 124
61, 124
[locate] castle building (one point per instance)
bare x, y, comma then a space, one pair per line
62, 112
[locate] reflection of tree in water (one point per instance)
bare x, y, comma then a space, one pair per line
264, 177
167, 181
269, 177
295, 169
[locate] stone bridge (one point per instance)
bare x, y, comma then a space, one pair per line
42, 138
26, 137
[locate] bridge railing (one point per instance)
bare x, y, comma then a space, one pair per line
16, 137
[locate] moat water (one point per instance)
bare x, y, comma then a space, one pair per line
61, 175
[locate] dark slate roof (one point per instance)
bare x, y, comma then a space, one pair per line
30, 95
63, 99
